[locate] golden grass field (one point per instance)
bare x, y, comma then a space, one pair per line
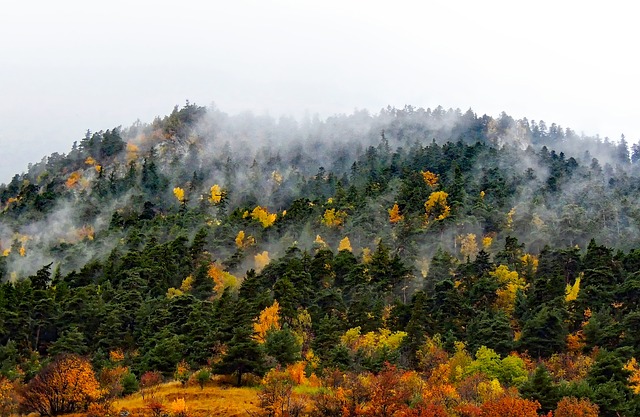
213, 400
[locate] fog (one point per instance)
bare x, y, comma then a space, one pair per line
70, 66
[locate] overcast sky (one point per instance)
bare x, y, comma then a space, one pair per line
69, 66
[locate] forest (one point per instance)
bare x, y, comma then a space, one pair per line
407, 263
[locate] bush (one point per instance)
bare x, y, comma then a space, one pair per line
129, 384
66, 385
202, 377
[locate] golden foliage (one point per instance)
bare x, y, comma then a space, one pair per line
182, 372
510, 406
372, 342
178, 407
486, 242
431, 354
569, 367
436, 207
459, 361
221, 278
213, 400
73, 179
296, 372
429, 178
22, 251
68, 384
490, 390
510, 282
116, 356
509, 220
574, 407
269, 319
179, 193
468, 245
243, 241
529, 265
367, 257
174, 292
394, 214
216, 194
187, 284
261, 260
262, 215
333, 218
132, 152
634, 379
576, 341
345, 244
571, 292
8, 397
438, 389
320, 241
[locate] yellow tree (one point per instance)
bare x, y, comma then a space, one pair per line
68, 384
261, 260
73, 179
333, 218
243, 241
510, 282
394, 214
8, 397
468, 245
345, 244
269, 319
132, 152
221, 278
634, 379
436, 206
179, 193
216, 194
571, 292
509, 219
430, 178
262, 215
319, 241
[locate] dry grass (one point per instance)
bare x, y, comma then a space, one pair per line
210, 401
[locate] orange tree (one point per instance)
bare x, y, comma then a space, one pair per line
66, 385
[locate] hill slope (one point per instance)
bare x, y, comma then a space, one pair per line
366, 235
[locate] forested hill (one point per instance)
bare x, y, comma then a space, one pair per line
166, 241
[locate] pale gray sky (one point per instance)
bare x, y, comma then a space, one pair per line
68, 66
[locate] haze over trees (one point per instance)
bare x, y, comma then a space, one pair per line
476, 264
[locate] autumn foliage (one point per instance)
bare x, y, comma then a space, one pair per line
574, 407
67, 384
436, 206
215, 194
394, 214
8, 397
509, 406
269, 319
429, 178
262, 215
333, 217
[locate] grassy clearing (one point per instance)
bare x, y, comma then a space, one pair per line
213, 400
